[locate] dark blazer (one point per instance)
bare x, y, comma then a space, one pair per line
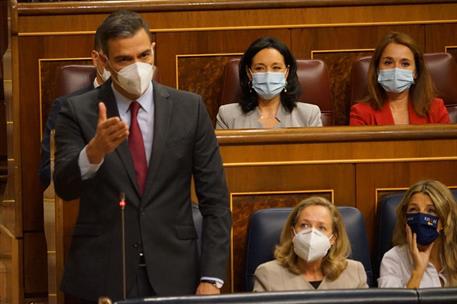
184, 144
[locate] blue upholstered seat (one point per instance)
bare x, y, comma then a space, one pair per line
265, 228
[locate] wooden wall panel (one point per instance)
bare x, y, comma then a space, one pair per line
339, 64
203, 74
35, 256
439, 36
10, 270
453, 51
171, 45
183, 15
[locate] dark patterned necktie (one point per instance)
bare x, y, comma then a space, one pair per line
136, 146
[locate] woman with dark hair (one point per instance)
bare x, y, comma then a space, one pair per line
270, 88
400, 87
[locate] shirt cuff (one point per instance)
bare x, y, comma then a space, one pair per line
88, 170
212, 279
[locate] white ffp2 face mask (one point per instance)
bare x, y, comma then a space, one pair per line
135, 78
311, 244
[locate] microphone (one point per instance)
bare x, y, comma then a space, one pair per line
122, 205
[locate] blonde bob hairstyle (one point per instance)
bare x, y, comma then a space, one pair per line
335, 261
446, 209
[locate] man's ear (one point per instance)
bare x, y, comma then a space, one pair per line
95, 56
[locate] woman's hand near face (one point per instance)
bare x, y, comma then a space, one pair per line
420, 259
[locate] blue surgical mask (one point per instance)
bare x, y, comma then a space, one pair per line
424, 226
395, 80
268, 84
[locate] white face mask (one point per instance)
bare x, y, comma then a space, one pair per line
135, 78
311, 244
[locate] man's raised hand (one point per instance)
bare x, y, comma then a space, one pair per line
111, 132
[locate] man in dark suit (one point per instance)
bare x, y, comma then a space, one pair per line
140, 139
101, 76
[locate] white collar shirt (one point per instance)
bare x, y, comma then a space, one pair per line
145, 115
396, 267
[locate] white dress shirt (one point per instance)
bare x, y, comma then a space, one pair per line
396, 267
145, 120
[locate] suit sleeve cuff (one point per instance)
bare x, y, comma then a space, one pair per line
88, 170
218, 281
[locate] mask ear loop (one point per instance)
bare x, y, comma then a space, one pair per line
106, 60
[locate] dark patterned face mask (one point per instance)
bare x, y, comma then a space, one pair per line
424, 226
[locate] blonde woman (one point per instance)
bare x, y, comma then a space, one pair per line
312, 253
425, 236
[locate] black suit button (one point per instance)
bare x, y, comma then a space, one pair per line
142, 211
136, 245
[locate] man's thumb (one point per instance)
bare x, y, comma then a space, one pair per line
101, 112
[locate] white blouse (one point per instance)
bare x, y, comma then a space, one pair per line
396, 267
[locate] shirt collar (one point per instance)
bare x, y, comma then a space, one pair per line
96, 84
123, 103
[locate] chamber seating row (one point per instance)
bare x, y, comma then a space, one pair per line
313, 77
314, 80
265, 227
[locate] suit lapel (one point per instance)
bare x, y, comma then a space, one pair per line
162, 113
106, 95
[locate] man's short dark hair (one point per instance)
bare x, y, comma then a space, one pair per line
97, 42
120, 24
